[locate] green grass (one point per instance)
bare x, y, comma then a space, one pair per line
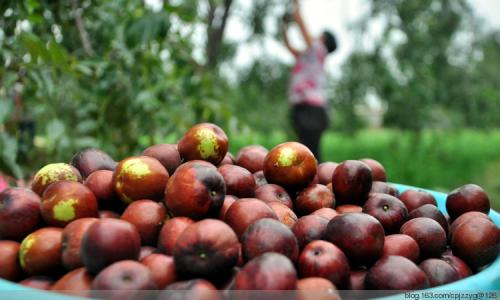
435, 160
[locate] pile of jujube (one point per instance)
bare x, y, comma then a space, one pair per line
191, 216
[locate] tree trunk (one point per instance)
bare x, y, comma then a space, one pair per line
216, 24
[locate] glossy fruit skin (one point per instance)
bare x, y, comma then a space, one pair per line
77, 283
122, 280
273, 193
166, 154
170, 232
351, 182
228, 201
465, 217
239, 181
388, 210
285, 215
469, 197
325, 172
438, 271
205, 249
40, 252
312, 198
227, 160
460, 266
309, 228
316, 288
10, 269
357, 279
359, 236
140, 177
199, 289
256, 273
162, 268
416, 198
19, 213
108, 214
100, 183
269, 235
107, 241
52, 173
327, 213
91, 160
290, 165
148, 217
477, 242
324, 259
204, 141
66, 201
384, 188
396, 273
38, 282
429, 235
348, 208
251, 158
72, 237
377, 168
402, 245
430, 211
146, 251
196, 190
260, 179
246, 211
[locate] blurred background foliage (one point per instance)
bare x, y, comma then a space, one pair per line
120, 76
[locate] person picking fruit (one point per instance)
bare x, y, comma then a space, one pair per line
307, 93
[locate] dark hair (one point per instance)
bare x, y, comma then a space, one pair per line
330, 41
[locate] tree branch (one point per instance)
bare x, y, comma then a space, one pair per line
80, 24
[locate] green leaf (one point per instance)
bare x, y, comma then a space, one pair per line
9, 154
55, 129
6, 107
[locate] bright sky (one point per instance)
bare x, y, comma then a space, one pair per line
335, 15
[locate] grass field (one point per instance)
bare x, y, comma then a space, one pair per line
434, 160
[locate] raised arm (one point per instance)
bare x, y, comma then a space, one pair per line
300, 22
290, 48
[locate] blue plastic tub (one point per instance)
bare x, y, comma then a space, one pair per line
486, 280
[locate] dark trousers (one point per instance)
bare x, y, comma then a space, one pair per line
309, 122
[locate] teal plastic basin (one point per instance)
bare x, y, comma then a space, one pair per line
487, 280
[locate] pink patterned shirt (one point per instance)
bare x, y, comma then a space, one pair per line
308, 79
